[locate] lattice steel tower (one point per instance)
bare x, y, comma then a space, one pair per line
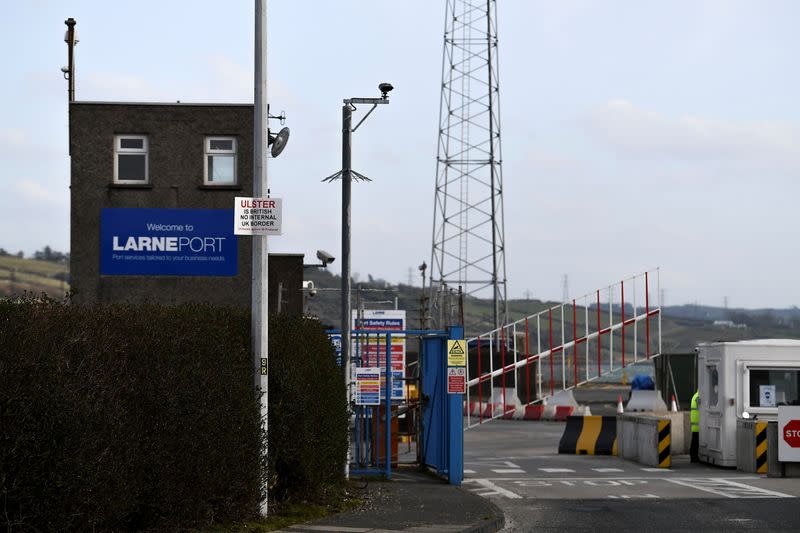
468, 236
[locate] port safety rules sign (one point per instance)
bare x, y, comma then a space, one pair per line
257, 216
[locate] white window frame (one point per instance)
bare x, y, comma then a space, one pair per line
207, 151
762, 365
144, 150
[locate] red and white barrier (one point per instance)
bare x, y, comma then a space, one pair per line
488, 411
554, 351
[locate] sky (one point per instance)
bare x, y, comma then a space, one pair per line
635, 134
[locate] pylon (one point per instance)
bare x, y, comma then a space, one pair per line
673, 406
620, 410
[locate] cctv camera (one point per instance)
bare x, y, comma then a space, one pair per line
312, 292
423, 266
325, 257
64, 69
385, 89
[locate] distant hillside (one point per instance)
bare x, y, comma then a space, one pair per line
683, 327
18, 276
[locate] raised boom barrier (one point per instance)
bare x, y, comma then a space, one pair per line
540, 355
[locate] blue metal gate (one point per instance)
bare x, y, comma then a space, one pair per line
441, 439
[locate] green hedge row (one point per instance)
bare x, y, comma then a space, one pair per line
144, 417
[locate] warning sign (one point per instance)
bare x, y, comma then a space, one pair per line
456, 380
456, 353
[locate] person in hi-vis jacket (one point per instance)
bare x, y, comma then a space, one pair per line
694, 416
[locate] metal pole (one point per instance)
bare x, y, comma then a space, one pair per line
495, 288
260, 311
70, 22
347, 117
388, 405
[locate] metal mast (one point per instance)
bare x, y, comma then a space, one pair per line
468, 235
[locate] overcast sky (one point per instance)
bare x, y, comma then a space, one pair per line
635, 134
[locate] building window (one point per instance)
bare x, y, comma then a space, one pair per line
773, 387
220, 161
130, 159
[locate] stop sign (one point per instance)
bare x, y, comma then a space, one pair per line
791, 433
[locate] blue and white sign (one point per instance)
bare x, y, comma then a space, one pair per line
369, 349
167, 242
336, 340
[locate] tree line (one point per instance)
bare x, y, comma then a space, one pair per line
45, 254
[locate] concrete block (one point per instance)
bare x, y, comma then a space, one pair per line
563, 398
638, 437
752, 453
646, 401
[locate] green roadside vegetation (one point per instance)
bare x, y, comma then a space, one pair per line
143, 418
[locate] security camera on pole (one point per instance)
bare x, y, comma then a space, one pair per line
347, 174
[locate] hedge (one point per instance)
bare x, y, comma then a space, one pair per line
144, 417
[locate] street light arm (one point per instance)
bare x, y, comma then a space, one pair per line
365, 117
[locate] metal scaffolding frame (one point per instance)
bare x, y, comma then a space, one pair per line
468, 244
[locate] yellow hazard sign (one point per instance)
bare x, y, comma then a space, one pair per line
456, 353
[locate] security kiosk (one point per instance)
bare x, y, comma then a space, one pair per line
745, 379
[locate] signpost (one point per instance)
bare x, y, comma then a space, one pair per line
371, 349
788, 433
257, 216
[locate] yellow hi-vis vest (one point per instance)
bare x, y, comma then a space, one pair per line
694, 414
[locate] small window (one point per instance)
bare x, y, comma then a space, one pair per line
773, 387
220, 161
130, 159
713, 386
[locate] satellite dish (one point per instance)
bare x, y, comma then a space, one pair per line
279, 141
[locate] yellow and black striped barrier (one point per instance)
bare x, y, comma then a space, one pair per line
589, 435
664, 437
761, 447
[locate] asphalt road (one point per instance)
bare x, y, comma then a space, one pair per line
515, 464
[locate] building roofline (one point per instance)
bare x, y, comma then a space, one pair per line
188, 104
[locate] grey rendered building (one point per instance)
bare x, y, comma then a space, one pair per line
152, 194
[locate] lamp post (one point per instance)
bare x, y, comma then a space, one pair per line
260, 254
347, 175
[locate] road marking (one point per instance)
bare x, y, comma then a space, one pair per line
556, 470
631, 496
485, 483
656, 470
728, 488
507, 471
467, 471
572, 482
341, 529
608, 469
